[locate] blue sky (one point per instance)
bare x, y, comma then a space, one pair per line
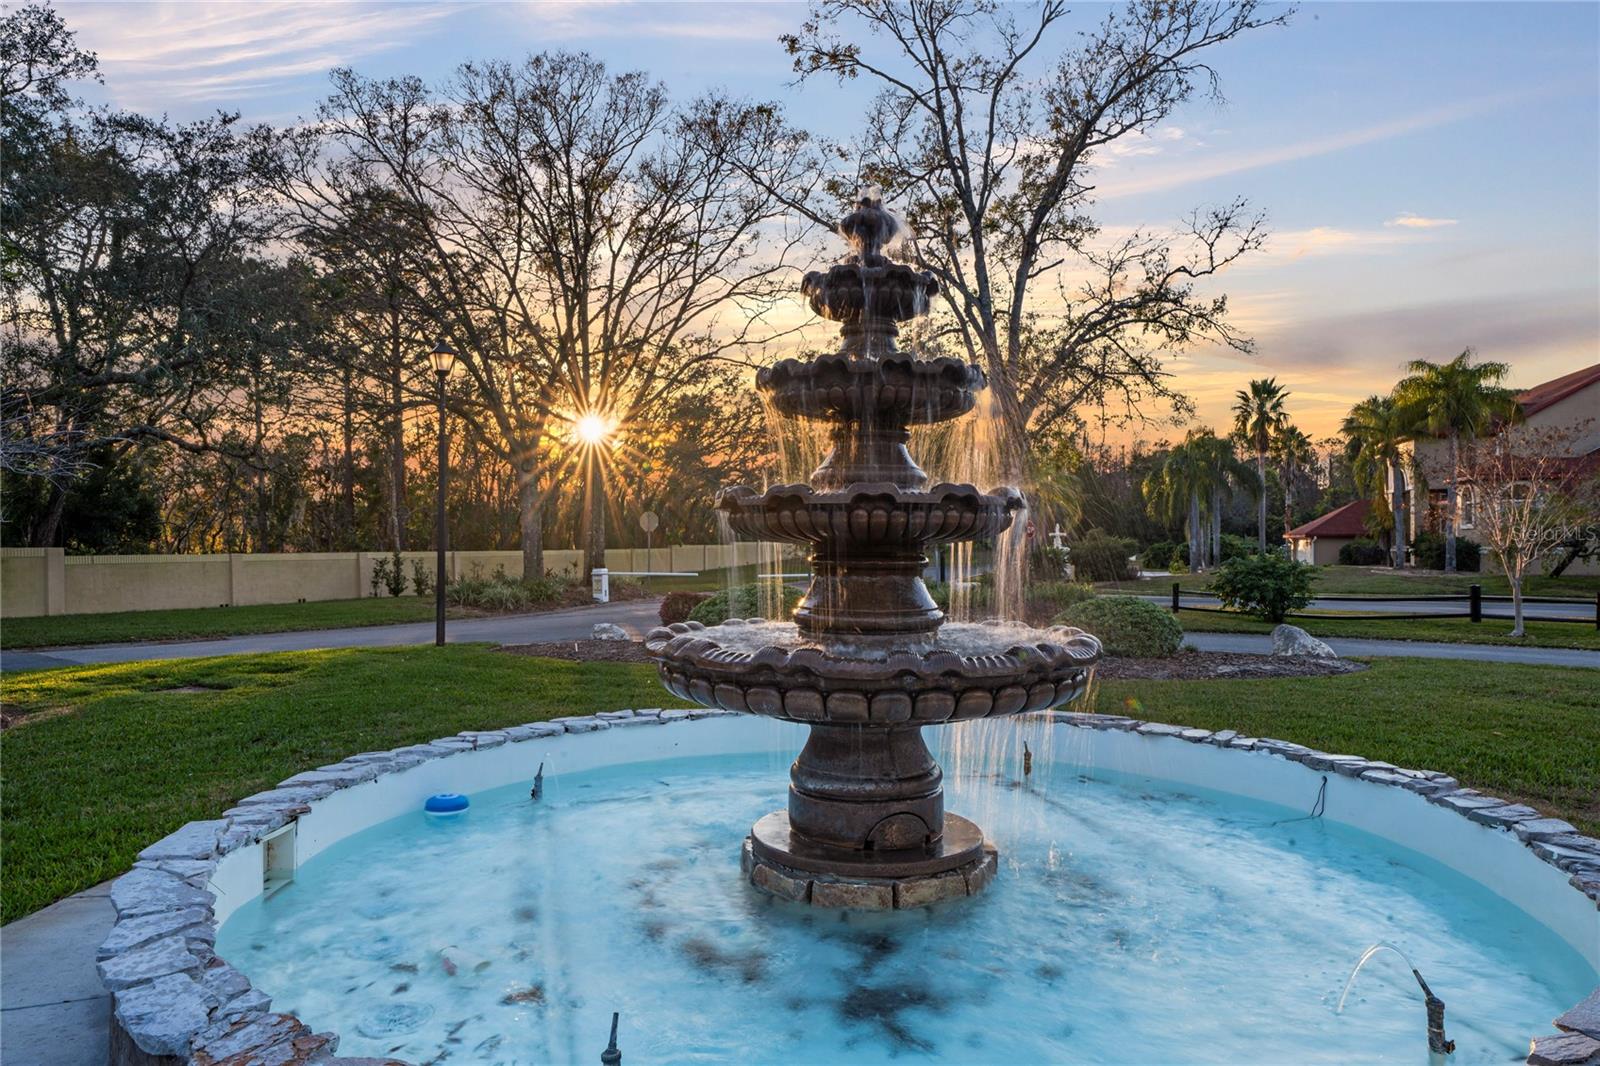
1431, 171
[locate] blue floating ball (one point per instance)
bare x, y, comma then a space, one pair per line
446, 803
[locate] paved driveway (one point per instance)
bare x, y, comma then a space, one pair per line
574, 623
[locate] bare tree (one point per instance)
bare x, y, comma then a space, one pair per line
1529, 495
991, 162
590, 248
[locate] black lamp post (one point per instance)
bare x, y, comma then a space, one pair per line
444, 361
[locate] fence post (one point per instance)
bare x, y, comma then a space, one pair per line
1475, 602
1174, 597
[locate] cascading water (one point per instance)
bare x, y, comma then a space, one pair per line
867, 662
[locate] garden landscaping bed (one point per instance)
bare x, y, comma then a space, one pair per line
584, 651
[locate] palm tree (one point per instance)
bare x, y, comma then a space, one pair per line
1377, 428
1294, 452
1222, 476
1258, 416
1455, 400
1172, 493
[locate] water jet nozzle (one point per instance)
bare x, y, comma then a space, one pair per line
1438, 1044
611, 1056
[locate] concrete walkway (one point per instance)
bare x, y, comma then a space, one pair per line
53, 1009
1261, 644
573, 623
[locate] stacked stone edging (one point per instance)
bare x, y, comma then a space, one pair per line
176, 1002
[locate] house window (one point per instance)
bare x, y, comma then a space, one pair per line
1466, 503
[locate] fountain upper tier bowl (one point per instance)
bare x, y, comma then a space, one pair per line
896, 388
971, 670
864, 516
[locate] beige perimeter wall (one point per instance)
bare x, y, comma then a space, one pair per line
39, 581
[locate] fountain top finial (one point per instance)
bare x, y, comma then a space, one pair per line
869, 228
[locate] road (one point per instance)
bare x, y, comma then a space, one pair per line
1583, 610
574, 623
1261, 644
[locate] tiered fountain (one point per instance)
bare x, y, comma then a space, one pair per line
868, 660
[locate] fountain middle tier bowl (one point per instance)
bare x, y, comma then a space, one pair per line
969, 670
868, 516
899, 389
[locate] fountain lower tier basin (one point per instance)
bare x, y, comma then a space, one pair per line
864, 517
1133, 917
967, 671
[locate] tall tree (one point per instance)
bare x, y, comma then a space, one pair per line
1258, 417
1458, 400
1223, 476
1190, 485
987, 123
1295, 455
1377, 429
589, 246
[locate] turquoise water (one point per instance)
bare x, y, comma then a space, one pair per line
1132, 921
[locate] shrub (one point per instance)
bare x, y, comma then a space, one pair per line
395, 575
1363, 552
1127, 626
1427, 552
1054, 596
421, 578
380, 574
1159, 555
501, 592
676, 606
1235, 546
1267, 586
742, 601
1177, 566
978, 595
1098, 556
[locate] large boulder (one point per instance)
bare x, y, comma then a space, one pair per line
608, 631
1297, 643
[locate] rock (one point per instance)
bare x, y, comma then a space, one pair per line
924, 891
288, 797
196, 840
979, 876
612, 716
487, 738
580, 725
676, 715
1542, 829
130, 933
532, 730
1321, 760
1159, 729
1222, 737
146, 891
195, 871
1584, 1018
163, 1015
158, 958
268, 1038
223, 981
1503, 817
1293, 641
1465, 799
1568, 1049
853, 895
770, 880
608, 631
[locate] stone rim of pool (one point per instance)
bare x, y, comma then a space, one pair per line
174, 997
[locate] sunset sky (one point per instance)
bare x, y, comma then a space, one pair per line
1430, 171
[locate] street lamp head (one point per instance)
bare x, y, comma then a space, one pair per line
444, 358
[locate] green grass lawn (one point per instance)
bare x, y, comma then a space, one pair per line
1448, 630
1374, 581
199, 623
106, 759
1524, 733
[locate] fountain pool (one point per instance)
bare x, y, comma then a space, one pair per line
1137, 918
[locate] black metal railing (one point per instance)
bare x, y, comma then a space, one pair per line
1473, 598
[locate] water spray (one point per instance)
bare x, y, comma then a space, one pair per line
1438, 1043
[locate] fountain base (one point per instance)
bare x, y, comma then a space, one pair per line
783, 864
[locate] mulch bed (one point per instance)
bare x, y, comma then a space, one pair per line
584, 651
1219, 666
1185, 666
